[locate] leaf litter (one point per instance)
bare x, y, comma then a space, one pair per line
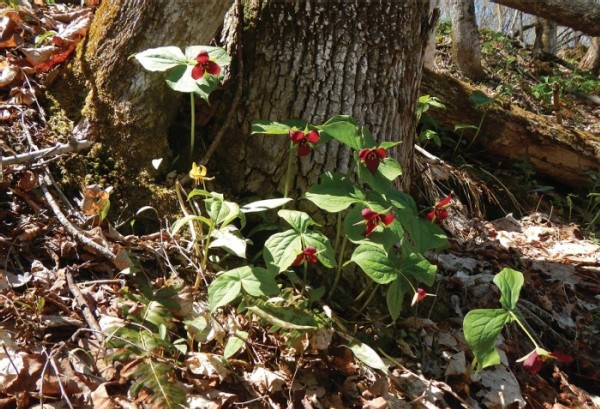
61, 299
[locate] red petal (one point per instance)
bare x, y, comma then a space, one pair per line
298, 260
197, 72
430, 216
202, 57
372, 163
362, 154
313, 136
381, 152
310, 250
421, 294
387, 219
303, 150
567, 359
213, 68
441, 213
368, 214
296, 136
445, 201
371, 224
533, 363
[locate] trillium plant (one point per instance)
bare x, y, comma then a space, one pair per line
198, 71
381, 223
483, 326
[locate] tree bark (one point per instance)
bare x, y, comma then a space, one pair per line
311, 61
466, 51
581, 15
591, 60
560, 153
128, 110
545, 36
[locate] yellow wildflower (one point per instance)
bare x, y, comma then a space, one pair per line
198, 173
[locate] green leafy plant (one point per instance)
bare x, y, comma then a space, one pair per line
429, 128
197, 70
371, 214
148, 345
482, 326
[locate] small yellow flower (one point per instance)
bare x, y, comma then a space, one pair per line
198, 173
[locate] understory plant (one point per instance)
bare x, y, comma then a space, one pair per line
483, 326
289, 283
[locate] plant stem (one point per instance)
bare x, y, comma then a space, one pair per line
338, 270
338, 232
193, 124
516, 318
288, 172
478, 129
369, 299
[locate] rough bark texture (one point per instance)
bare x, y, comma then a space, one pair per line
312, 61
591, 60
582, 15
128, 110
466, 51
545, 36
560, 153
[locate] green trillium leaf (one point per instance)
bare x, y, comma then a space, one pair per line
509, 282
481, 328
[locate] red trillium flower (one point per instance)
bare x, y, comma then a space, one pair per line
204, 65
533, 361
439, 210
304, 141
309, 254
420, 295
373, 219
372, 157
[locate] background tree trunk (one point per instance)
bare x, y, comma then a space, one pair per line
545, 36
581, 15
311, 61
591, 60
129, 110
466, 51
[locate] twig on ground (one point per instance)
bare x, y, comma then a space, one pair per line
50, 358
86, 308
78, 235
59, 149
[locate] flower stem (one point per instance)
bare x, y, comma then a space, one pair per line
369, 299
516, 318
338, 232
288, 173
338, 270
193, 124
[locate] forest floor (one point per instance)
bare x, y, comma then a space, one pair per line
60, 294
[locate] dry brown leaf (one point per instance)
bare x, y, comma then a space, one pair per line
101, 399
95, 198
9, 73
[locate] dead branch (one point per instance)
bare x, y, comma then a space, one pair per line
59, 149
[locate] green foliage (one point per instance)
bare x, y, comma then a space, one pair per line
429, 127
482, 326
146, 342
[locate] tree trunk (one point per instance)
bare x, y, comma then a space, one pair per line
545, 36
128, 110
581, 15
429, 57
560, 153
591, 60
466, 51
311, 61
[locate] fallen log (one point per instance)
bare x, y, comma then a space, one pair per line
562, 153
